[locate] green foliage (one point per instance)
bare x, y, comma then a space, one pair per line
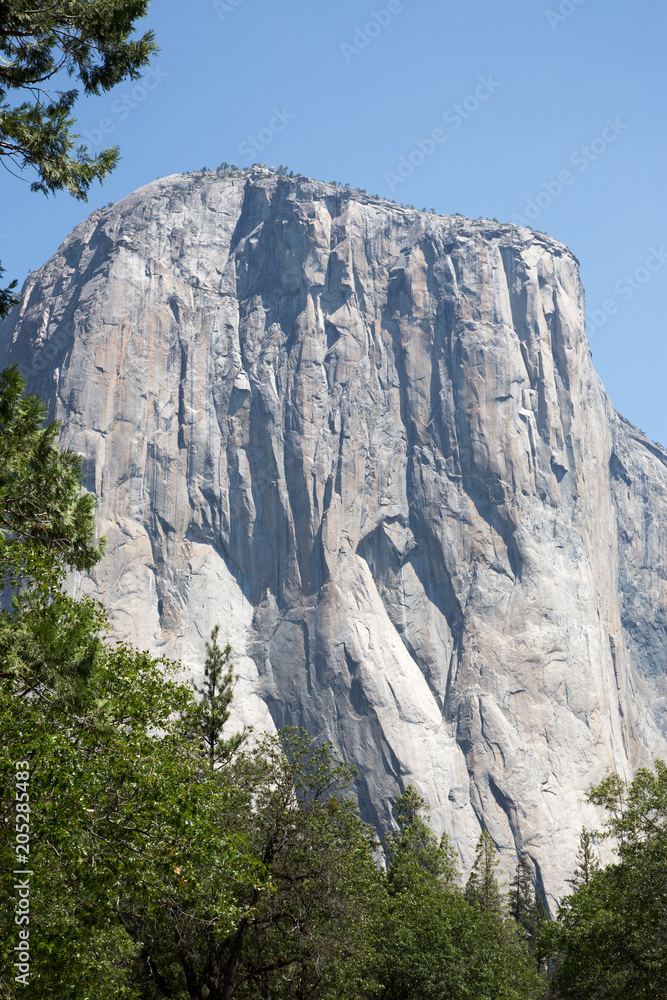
299, 928
207, 719
155, 876
526, 908
521, 895
7, 299
430, 942
413, 850
587, 863
50, 646
89, 41
483, 887
610, 939
47, 526
46, 521
39, 44
307, 936
125, 829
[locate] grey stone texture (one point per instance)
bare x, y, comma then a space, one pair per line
371, 444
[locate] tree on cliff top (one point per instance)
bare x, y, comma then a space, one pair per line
89, 40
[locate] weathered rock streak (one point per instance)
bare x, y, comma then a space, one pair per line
370, 443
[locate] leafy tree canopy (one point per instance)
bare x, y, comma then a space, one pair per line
526, 906
171, 861
40, 44
45, 517
299, 925
587, 862
413, 849
127, 832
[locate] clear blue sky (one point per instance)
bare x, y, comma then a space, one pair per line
544, 88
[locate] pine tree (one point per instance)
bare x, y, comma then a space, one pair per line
414, 847
206, 722
587, 863
526, 906
522, 896
610, 936
41, 45
483, 888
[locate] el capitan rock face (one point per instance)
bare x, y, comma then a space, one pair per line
370, 443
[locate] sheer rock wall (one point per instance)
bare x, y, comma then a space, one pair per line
371, 444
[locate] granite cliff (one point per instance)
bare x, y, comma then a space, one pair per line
370, 442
